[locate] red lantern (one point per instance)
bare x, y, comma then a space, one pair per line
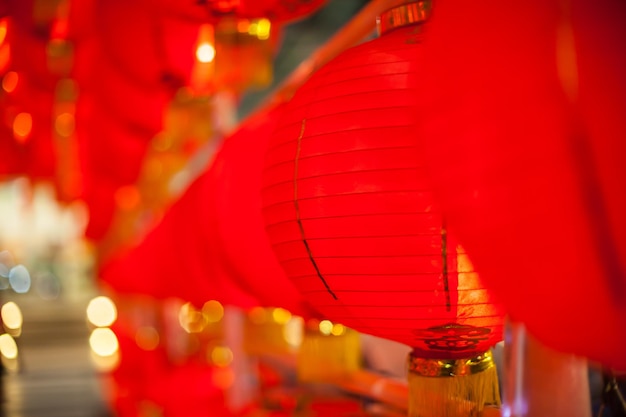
179, 257
525, 138
351, 216
236, 173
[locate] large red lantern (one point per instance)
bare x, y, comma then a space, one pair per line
353, 221
524, 129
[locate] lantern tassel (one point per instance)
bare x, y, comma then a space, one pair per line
452, 388
326, 358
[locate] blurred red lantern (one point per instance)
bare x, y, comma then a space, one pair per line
179, 257
351, 216
150, 48
27, 95
209, 11
525, 141
236, 173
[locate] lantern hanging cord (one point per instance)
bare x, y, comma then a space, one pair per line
299, 220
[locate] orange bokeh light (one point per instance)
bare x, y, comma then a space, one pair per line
127, 197
9, 81
22, 126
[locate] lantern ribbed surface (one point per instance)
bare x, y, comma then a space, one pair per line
351, 215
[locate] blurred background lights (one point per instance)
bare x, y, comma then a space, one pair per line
147, 338
213, 311
3, 29
64, 124
22, 125
281, 316
190, 319
221, 355
105, 363
6, 263
338, 329
47, 286
205, 52
223, 377
293, 332
8, 347
257, 315
11, 316
103, 341
326, 327
101, 311
19, 278
260, 28
9, 81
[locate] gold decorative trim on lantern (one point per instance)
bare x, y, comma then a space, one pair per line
450, 367
407, 14
452, 387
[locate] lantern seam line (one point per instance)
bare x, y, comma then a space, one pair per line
297, 210
444, 255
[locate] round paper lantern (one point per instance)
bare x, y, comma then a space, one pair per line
524, 132
179, 257
236, 172
353, 221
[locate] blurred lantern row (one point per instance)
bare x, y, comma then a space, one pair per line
415, 211
110, 99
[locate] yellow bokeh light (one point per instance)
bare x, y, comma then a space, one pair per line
252, 28
103, 341
293, 332
205, 52
8, 347
105, 363
11, 365
281, 316
338, 329
11, 316
22, 126
257, 315
147, 338
9, 81
213, 311
101, 311
326, 327
65, 124
190, 319
221, 356
263, 29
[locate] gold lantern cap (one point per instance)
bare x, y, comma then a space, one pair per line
405, 14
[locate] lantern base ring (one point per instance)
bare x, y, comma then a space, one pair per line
452, 387
450, 367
